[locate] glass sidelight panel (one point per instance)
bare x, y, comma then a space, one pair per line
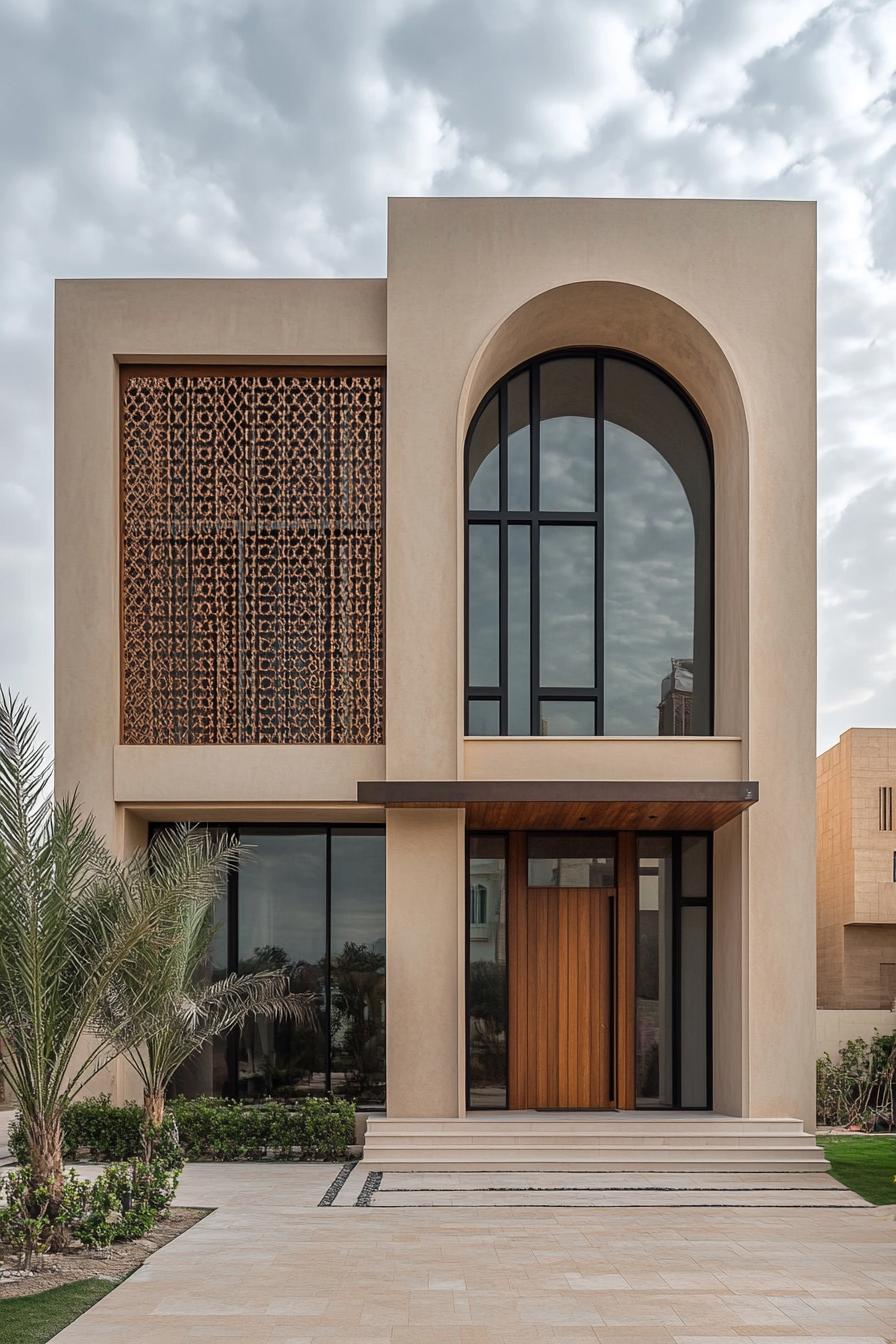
283, 926
672, 1015
694, 1002
487, 929
655, 974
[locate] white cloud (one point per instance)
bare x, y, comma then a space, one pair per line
261, 137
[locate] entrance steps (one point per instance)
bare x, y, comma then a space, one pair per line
600, 1141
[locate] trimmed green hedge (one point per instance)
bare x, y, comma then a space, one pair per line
212, 1129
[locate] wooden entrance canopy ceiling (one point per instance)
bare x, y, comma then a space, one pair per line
574, 805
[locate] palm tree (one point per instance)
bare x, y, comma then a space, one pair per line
71, 921
187, 1010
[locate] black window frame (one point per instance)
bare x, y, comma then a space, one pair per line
678, 903
534, 518
231, 1048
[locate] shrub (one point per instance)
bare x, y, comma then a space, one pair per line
26, 1223
123, 1203
96, 1131
858, 1090
317, 1129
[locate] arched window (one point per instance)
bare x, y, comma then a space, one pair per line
589, 553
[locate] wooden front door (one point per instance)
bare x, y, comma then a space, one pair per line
561, 997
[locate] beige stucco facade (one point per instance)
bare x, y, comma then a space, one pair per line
856, 874
719, 294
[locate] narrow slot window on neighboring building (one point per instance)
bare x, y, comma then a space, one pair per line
885, 807
887, 985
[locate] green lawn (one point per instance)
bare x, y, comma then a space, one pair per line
865, 1163
34, 1320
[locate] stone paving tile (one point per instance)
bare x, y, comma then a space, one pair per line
271, 1267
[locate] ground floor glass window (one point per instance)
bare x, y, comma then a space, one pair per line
310, 901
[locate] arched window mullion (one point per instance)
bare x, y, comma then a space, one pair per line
502, 553
534, 548
599, 544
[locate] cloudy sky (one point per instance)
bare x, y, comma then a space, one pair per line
261, 137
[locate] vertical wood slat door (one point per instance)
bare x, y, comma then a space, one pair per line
561, 996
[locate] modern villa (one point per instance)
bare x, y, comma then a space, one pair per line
479, 602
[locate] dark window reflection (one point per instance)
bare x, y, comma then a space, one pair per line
281, 899
206, 1072
283, 927
358, 966
488, 972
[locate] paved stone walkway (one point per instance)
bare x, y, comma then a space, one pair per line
272, 1267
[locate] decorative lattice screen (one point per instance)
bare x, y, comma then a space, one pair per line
251, 557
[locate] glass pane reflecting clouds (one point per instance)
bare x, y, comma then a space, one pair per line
518, 442
567, 436
567, 718
655, 680
483, 632
518, 632
484, 718
482, 460
567, 605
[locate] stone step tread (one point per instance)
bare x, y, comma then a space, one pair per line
562, 1161
580, 1125
578, 1138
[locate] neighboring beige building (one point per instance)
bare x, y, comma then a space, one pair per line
856, 872
480, 601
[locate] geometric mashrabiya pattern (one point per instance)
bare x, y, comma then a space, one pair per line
251, 557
